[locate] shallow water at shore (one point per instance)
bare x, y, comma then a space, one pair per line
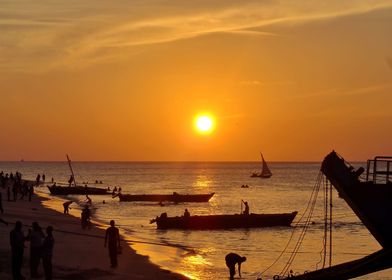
200, 254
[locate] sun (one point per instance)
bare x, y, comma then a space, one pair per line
204, 124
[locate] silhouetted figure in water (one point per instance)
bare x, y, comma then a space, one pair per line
38, 179
47, 253
43, 177
231, 260
186, 213
35, 237
17, 248
112, 238
85, 217
88, 200
246, 210
66, 206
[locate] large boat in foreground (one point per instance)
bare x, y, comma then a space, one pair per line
224, 221
370, 197
174, 197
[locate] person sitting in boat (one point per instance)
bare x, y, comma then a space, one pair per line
246, 210
186, 213
231, 260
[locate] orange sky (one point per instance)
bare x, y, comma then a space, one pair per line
108, 80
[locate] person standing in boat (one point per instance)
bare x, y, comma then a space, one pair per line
246, 210
231, 260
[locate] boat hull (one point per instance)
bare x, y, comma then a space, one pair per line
225, 221
177, 198
78, 190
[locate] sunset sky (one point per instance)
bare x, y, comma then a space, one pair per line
124, 80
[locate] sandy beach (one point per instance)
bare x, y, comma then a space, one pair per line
78, 253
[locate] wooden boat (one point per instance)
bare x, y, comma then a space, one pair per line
174, 197
76, 189
371, 200
265, 171
224, 221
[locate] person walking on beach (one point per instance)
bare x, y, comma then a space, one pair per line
17, 248
35, 237
85, 217
231, 260
47, 253
112, 238
66, 206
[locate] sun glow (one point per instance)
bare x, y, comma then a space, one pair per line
204, 124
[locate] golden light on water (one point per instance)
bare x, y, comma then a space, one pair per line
204, 124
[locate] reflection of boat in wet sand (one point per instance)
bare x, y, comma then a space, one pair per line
76, 189
174, 197
371, 200
265, 171
224, 221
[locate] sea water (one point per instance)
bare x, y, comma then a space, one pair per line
200, 254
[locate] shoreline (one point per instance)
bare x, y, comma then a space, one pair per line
74, 247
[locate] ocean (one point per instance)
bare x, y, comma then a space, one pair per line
200, 254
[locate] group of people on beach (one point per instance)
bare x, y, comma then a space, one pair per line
41, 247
15, 185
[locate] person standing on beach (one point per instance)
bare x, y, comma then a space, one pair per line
66, 206
35, 237
112, 238
47, 253
231, 260
17, 248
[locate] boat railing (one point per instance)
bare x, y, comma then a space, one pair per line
379, 170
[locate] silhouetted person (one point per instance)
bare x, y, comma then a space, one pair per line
8, 193
231, 260
47, 253
43, 177
112, 238
31, 191
35, 237
15, 190
85, 216
186, 213
66, 206
88, 200
246, 210
17, 248
71, 179
38, 179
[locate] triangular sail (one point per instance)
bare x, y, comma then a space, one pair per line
265, 171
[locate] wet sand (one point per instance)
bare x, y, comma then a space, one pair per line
78, 253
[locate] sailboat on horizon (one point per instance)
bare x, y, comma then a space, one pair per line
265, 171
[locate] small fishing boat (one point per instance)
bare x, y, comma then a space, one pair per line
265, 171
224, 221
76, 189
174, 197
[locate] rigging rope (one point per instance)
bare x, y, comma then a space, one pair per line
309, 208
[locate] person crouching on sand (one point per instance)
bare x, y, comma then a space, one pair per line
112, 238
231, 260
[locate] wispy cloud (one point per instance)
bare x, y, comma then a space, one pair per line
73, 33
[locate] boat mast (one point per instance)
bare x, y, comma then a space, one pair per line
70, 167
